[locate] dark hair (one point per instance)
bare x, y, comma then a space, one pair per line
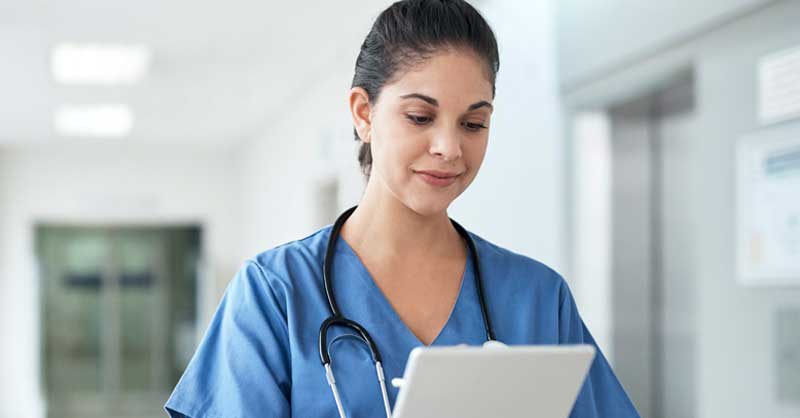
411, 31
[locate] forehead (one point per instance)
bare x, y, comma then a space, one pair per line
450, 76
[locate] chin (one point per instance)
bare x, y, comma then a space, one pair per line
426, 207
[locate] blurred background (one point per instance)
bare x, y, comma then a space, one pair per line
648, 151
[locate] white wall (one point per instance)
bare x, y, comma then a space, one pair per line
592, 231
735, 360
737, 350
99, 183
309, 143
283, 167
596, 37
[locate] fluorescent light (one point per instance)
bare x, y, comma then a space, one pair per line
99, 63
104, 120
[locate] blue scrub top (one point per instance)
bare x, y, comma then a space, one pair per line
260, 356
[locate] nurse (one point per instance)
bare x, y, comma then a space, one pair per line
421, 106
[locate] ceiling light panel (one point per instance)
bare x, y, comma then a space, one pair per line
98, 121
104, 64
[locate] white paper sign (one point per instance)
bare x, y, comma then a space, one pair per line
779, 86
768, 207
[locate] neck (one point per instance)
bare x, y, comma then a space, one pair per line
384, 228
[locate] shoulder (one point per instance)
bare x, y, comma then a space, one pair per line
291, 259
310, 247
515, 268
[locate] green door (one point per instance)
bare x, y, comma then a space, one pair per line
118, 317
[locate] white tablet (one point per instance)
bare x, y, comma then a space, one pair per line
479, 382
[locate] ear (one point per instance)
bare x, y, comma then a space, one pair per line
361, 112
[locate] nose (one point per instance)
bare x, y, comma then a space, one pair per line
446, 145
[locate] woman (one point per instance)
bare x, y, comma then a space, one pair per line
421, 103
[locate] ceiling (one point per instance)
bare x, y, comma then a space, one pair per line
218, 69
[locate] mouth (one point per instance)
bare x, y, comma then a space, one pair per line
438, 178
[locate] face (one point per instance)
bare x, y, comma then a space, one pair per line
428, 131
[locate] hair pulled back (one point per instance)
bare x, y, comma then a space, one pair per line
411, 31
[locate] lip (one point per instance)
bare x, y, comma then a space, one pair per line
437, 173
438, 178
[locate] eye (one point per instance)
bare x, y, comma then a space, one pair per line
419, 120
474, 127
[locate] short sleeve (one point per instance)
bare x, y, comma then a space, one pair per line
242, 365
601, 395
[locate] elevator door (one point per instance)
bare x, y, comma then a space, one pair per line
652, 287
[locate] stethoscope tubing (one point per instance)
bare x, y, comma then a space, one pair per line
338, 319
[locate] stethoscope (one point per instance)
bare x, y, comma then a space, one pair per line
337, 318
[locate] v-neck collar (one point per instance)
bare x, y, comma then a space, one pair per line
342, 247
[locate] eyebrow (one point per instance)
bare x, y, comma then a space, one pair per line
431, 100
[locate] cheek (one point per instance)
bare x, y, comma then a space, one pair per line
395, 148
474, 152
402, 146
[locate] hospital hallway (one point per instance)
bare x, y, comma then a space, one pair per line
648, 152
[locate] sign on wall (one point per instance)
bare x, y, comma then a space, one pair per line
779, 86
768, 207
